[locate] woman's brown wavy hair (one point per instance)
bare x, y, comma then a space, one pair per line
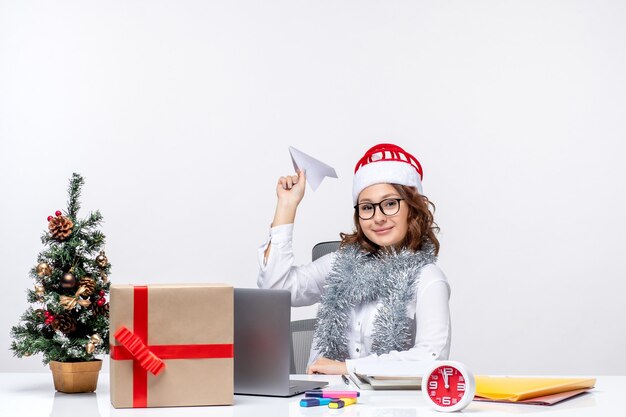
421, 222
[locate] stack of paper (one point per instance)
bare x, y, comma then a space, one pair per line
530, 390
390, 375
386, 382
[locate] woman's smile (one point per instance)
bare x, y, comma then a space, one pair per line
383, 231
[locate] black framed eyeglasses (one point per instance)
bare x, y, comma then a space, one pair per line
389, 207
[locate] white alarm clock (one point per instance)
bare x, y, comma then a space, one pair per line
448, 386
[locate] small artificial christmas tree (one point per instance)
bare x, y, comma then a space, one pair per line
71, 320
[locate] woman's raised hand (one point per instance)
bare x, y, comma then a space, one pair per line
290, 189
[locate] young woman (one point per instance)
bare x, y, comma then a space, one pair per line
382, 296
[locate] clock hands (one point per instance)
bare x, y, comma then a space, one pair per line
444, 373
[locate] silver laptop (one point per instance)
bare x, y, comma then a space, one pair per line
262, 350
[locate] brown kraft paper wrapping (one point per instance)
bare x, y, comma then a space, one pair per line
181, 314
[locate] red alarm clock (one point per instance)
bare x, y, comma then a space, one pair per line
448, 386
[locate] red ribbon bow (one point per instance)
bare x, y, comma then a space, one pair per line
148, 360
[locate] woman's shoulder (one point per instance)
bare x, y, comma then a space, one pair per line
431, 273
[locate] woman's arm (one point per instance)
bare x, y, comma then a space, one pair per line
305, 282
290, 192
276, 260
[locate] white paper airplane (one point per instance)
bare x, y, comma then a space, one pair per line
315, 170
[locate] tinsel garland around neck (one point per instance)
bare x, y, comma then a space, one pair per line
357, 277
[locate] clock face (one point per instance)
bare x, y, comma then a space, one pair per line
446, 387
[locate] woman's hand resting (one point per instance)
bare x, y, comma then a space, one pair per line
328, 367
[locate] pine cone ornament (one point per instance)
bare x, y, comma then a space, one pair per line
64, 323
89, 284
102, 310
39, 314
60, 227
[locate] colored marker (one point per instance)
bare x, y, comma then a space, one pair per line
319, 393
342, 402
314, 402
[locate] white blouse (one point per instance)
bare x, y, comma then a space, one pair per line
306, 284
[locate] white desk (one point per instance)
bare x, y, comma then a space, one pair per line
32, 394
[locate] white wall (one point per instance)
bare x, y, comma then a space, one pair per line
179, 115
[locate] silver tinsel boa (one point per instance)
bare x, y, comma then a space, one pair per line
357, 277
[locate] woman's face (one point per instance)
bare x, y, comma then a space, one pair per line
381, 229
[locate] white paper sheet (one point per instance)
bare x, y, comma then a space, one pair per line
314, 169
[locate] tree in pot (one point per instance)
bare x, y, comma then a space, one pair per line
69, 322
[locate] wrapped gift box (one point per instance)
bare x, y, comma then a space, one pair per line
171, 345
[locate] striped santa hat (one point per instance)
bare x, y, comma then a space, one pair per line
386, 163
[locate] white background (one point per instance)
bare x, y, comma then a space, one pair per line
179, 115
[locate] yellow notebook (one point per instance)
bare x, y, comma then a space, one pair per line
510, 388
